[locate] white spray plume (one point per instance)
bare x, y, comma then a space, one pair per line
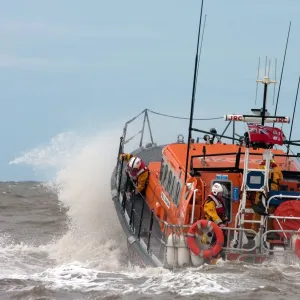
82, 183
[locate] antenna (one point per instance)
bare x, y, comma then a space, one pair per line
287, 41
275, 80
296, 99
201, 42
266, 81
257, 79
193, 96
200, 51
269, 68
266, 66
260, 115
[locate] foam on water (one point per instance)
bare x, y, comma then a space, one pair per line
82, 183
74, 276
92, 255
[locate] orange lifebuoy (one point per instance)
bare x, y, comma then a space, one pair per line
191, 238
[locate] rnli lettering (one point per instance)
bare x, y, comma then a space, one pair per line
165, 199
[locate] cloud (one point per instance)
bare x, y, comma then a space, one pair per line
43, 29
52, 65
33, 32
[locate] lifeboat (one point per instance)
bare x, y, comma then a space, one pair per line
165, 224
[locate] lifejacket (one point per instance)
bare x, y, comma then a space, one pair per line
220, 208
271, 169
135, 173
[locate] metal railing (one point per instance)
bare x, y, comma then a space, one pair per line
148, 230
155, 244
145, 113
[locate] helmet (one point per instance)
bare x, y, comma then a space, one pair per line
134, 162
217, 188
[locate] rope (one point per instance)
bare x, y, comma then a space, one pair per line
184, 118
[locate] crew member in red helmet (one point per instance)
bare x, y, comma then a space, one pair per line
137, 174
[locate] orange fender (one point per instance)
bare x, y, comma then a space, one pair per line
160, 213
297, 246
191, 238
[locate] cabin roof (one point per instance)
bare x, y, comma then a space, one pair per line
222, 155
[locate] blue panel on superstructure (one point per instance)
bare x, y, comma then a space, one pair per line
277, 201
255, 179
235, 195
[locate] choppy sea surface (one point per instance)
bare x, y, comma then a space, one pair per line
61, 239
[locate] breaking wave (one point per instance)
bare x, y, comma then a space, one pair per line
91, 256
82, 183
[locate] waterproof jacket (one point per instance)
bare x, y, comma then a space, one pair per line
275, 176
214, 209
138, 176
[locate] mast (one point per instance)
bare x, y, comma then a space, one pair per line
263, 113
259, 115
193, 97
265, 81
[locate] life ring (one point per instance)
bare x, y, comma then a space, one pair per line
191, 239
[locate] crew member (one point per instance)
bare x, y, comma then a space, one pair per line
137, 174
214, 210
275, 179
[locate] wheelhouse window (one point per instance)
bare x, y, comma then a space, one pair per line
172, 187
161, 173
176, 198
165, 175
169, 181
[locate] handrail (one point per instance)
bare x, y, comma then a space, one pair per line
241, 153
141, 221
193, 207
241, 230
281, 196
284, 218
263, 237
146, 112
150, 230
180, 227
